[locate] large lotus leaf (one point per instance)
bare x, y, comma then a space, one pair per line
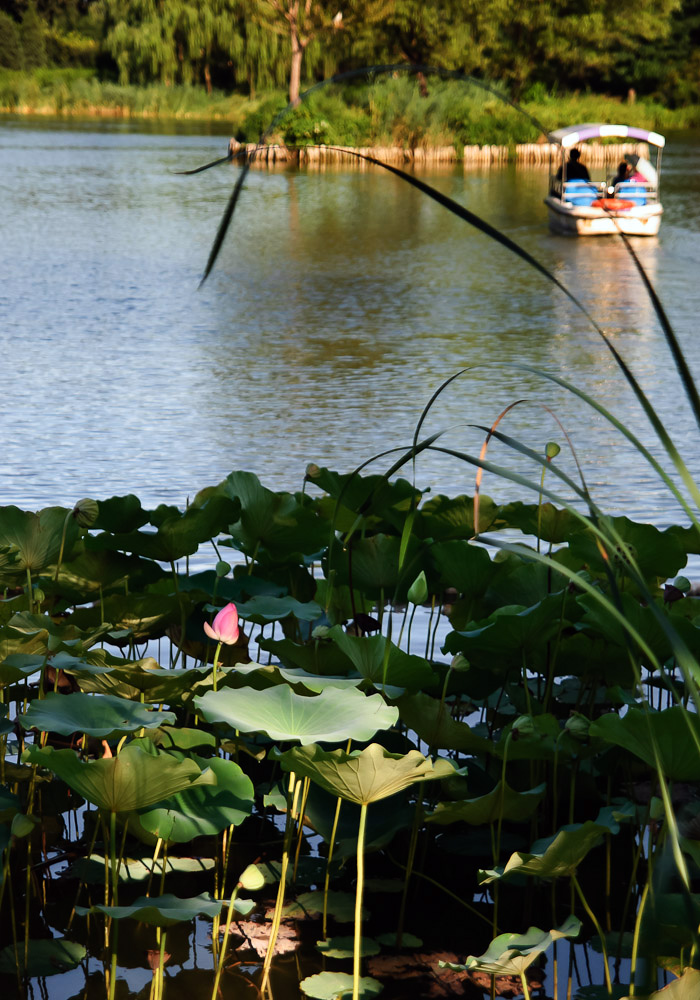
178, 534
372, 496
466, 567
321, 656
119, 514
657, 553
92, 869
675, 732
206, 809
502, 802
434, 725
540, 739
132, 780
511, 954
687, 987
365, 776
36, 538
335, 985
553, 856
373, 565
295, 678
47, 957
368, 654
644, 620
265, 609
280, 523
17, 666
443, 518
160, 911
96, 715
138, 678
509, 631
545, 520
385, 819
146, 616
329, 717
91, 571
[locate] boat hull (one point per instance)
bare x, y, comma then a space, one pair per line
584, 220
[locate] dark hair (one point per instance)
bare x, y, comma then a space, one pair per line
575, 154
622, 166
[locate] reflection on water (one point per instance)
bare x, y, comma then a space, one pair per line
340, 302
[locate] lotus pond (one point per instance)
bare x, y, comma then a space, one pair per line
358, 752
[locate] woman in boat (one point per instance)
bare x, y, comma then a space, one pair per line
575, 170
621, 176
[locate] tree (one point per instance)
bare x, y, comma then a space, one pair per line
31, 32
10, 44
305, 21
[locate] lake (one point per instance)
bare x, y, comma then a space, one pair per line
340, 302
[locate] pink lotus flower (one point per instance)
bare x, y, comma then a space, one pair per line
225, 626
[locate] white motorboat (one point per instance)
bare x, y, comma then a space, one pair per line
580, 206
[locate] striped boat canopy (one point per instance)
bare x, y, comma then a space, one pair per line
574, 134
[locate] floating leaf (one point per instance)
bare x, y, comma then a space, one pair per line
342, 947
92, 869
160, 911
96, 715
511, 954
46, 957
340, 906
329, 717
391, 939
502, 802
675, 731
334, 985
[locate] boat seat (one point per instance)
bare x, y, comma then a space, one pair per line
580, 192
632, 191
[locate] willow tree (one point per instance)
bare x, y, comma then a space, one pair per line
302, 22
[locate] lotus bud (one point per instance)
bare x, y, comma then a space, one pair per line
224, 628
320, 632
578, 726
551, 450
418, 591
682, 583
524, 726
459, 662
223, 568
85, 512
312, 471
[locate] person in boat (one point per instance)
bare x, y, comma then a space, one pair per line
575, 170
622, 174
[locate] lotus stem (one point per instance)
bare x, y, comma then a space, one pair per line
216, 663
326, 883
30, 597
636, 936
224, 943
599, 929
292, 799
417, 817
300, 832
357, 950
526, 991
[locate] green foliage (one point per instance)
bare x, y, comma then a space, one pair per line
31, 32
11, 55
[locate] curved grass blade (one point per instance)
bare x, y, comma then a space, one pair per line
206, 166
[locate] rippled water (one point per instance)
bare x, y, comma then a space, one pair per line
340, 302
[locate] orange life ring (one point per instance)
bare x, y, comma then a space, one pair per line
613, 204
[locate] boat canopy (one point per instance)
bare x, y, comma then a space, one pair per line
571, 136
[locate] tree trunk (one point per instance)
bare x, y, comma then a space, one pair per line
295, 72
207, 77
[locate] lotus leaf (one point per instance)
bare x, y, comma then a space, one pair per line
545, 521
296, 677
132, 780
145, 616
342, 947
265, 609
19, 665
335, 985
466, 567
319, 657
444, 518
119, 514
96, 715
375, 565
391, 940
46, 957
511, 954
645, 622
659, 554
36, 538
501, 803
687, 987
92, 869
164, 911
329, 717
553, 856
373, 496
365, 776
9, 804
90, 572
340, 906
279, 523
385, 819
368, 654
675, 732
434, 725
509, 630
204, 810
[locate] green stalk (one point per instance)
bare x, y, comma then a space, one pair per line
327, 879
417, 818
216, 663
599, 929
222, 951
292, 799
358, 902
523, 980
30, 598
635, 939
